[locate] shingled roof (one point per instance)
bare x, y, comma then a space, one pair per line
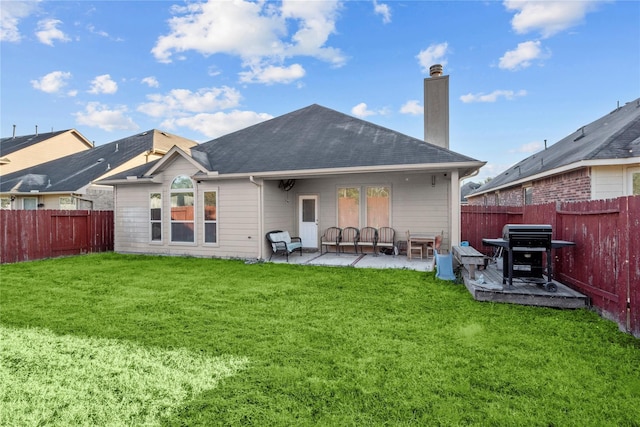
12, 144
71, 173
314, 138
317, 137
612, 137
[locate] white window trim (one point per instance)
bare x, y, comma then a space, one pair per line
151, 222
24, 199
9, 206
193, 191
629, 179
366, 198
217, 221
338, 188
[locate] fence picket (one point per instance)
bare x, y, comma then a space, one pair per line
604, 264
38, 234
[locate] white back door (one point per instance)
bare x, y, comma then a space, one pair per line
308, 220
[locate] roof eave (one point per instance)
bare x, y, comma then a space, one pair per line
466, 167
559, 170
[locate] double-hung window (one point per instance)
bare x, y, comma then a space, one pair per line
378, 204
30, 203
210, 216
375, 212
349, 207
182, 214
155, 216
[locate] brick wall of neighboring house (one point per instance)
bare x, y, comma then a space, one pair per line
572, 186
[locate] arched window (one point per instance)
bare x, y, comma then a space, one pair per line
182, 214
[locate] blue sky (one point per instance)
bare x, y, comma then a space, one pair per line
520, 71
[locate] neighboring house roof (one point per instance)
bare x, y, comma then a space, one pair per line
611, 139
10, 144
75, 171
467, 188
317, 139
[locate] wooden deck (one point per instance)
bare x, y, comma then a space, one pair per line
521, 292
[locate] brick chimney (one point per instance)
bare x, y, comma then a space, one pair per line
436, 107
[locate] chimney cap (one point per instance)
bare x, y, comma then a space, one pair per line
435, 70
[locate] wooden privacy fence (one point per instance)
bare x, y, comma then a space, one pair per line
30, 235
604, 264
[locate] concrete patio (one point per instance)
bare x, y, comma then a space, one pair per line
332, 259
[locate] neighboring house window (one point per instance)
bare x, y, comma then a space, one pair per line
634, 182
378, 203
30, 203
67, 203
348, 207
155, 216
182, 204
5, 203
210, 217
528, 195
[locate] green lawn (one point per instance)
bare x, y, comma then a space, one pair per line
112, 339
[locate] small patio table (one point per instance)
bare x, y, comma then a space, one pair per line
420, 239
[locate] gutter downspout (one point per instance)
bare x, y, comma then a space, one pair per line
260, 215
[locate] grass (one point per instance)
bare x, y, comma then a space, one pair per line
217, 342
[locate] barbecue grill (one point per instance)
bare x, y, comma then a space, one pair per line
524, 245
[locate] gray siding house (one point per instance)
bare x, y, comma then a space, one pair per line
301, 172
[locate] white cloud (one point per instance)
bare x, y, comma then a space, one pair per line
100, 116
11, 12
151, 81
382, 9
434, 54
182, 102
217, 124
53, 82
103, 84
548, 17
273, 74
412, 107
492, 97
257, 32
362, 110
530, 147
92, 29
48, 32
522, 56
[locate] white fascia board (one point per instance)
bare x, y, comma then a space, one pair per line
175, 151
310, 173
128, 180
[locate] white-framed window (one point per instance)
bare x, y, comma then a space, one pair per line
378, 206
349, 207
67, 203
375, 212
182, 210
527, 195
634, 182
210, 215
155, 217
30, 203
5, 203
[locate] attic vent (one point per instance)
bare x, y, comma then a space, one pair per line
581, 134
